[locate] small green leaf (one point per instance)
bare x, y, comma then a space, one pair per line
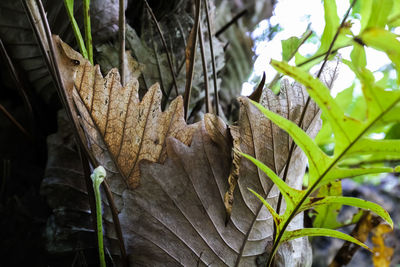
350, 201
397, 169
326, 215
344, 128
376, 98
290, 235
277, 218
392, 115
332, 23
394, 17
289, 46
290, 194
385, 41
364, 8
358, 57
325, 135
345, 98
380, 13
341, 173
367, 146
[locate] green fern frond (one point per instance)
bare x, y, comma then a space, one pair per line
350, 138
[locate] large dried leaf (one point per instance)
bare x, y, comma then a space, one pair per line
178, 215
265, 141
116, 120
187, 209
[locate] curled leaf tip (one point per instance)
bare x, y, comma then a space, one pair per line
256, 95
98, 174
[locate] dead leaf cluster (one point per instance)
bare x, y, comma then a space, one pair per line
181, 190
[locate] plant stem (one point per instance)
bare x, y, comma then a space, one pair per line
164, 43
121, 24
277, 239
69, 5
98, 178
205, 71
88, 31
212, 60
14, 121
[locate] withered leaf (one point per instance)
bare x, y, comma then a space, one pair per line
382, 254
113, 116
177, 216
183, 200
226, 137
265, 141
256, 95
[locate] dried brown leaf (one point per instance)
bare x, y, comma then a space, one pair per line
177, 216
256, 95
367, 223
226, 137
262, 139
382, 255
131, 130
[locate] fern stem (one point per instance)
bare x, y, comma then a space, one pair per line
293, 145
69, 5
88, 30
314, 185
98, 177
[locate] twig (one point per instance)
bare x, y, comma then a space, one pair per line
162, 85
20, 87
121, 35
231, 22
165, 100
14, 121
190, 55
279, 76
164, 43
205, 72
212, 60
